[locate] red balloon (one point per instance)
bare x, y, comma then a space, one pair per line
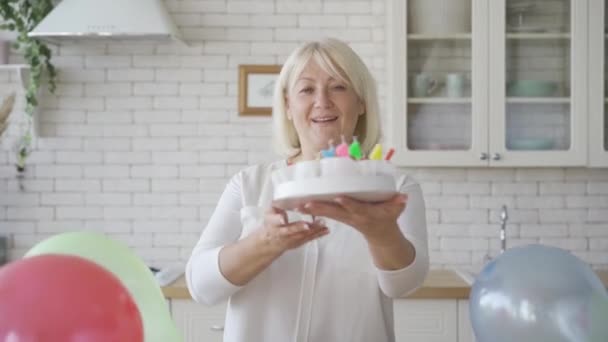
65, 298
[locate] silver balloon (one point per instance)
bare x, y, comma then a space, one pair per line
538, 294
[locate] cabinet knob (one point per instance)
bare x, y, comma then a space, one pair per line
496, 156
483, 156
216, 327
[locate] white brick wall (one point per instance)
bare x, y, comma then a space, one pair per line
140, 140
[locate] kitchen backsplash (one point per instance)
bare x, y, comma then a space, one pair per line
140, 139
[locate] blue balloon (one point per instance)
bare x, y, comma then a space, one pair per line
538, 294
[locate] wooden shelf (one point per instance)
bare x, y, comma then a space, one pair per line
439, 100
539, 100
13, 66
538, 36
455, 36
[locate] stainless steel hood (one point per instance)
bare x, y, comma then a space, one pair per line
108, 19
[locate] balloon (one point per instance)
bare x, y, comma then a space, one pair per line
65, 298
130, 269
536, 294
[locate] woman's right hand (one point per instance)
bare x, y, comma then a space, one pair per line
281, 235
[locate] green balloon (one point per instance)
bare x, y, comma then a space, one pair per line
128, 267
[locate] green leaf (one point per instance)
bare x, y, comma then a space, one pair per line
21, 16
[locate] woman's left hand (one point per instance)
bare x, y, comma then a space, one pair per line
376, 221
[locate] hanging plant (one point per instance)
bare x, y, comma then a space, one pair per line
22, 16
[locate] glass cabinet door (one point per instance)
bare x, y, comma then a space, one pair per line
603, 124
537, 106
598, 83
443, 93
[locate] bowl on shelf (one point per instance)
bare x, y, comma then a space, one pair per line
531, 88
531, 144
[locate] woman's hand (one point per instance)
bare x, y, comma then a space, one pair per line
376, 221
281, 235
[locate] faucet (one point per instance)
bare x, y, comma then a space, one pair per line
503, 223
503, 234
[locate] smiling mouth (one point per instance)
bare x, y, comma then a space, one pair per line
325, 119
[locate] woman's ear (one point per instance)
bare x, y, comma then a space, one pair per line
361, 108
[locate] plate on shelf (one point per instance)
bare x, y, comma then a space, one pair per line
531, 144
531, 88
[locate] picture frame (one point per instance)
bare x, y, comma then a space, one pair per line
256, 88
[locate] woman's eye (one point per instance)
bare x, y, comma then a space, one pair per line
340, 87
306, 90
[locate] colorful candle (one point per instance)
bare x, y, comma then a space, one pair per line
330, 152
390, 153
342, 149
354, 150
376, 153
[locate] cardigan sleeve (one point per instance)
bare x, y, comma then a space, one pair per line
412, 222
205, 281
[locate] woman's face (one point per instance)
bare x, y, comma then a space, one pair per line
322, 108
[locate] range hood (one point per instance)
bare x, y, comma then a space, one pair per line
107, 19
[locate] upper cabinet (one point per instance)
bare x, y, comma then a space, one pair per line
489, 82
598, 81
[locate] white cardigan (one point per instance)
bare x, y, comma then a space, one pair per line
326, 290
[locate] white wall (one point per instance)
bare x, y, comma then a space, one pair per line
140, 139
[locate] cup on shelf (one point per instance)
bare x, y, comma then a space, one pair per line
455, 84
423, 85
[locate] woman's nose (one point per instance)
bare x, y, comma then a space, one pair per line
322, 99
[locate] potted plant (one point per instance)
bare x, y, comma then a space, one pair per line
21, 16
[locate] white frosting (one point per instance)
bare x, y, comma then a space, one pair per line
370, 180
332, 168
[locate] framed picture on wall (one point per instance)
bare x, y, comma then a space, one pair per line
256, 87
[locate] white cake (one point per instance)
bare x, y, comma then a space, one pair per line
325, 179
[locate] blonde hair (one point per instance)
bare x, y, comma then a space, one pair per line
338, 60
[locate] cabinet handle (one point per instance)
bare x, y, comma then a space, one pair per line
496, 156
216, 327
483, 156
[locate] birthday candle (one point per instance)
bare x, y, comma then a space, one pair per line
354, 150
330, 152
390, 153
376, 153
342, 149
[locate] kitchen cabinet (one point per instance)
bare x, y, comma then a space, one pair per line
422, 320
437, 311
598, 81
416, 320
499, 83
198, 322
465, 329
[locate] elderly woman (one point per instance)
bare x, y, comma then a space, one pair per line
287, 277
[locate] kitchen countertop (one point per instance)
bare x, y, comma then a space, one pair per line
439, 284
